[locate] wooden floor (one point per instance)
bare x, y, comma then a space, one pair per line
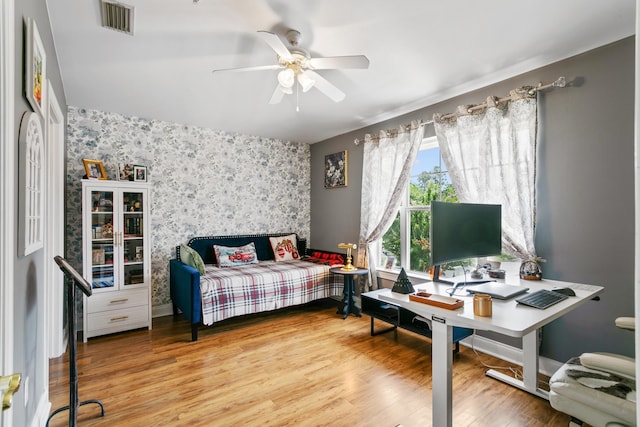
301, 366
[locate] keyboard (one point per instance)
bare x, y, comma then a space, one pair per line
542, 299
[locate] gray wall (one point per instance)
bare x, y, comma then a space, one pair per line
29, 354
585, 210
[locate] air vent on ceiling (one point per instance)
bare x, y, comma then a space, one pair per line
117, 16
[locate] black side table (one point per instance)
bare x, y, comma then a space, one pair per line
349, 300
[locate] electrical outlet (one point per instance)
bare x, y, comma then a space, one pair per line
26, 391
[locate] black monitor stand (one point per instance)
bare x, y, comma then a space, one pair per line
437, 278
456, 285
73, 279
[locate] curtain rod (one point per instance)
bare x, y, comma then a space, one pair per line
559, 82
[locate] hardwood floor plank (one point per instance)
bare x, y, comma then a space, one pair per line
301, 366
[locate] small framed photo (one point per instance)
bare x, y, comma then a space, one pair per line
336, 170
140, 173
94, 169
390, 262
125, 172
35, 67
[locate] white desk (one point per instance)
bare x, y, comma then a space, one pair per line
509, 318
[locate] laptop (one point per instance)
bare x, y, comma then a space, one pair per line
497, 290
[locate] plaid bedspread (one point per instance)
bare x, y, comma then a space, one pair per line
269, 285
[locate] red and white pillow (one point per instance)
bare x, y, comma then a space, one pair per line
284, 247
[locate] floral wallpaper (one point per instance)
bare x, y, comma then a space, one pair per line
203, 182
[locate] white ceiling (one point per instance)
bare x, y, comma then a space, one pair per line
420, 51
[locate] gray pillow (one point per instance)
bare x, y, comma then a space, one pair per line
190, 257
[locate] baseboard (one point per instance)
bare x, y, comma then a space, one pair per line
508, 353
42, 412
162, 310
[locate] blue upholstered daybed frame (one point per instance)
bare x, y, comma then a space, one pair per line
184, 280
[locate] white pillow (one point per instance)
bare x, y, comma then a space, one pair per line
284, 247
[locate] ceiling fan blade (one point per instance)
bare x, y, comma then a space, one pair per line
243, 69
326, 87
334, 62
276, 44
277, 96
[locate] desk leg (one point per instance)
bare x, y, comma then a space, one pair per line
441, 372
529, 383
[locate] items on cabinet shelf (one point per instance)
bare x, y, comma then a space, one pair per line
98, 256
133, 226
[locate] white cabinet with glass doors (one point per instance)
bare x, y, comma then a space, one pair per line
116, 256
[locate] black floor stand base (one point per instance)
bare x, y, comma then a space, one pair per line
66, 408
73, 278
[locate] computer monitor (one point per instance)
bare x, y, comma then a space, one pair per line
463, 230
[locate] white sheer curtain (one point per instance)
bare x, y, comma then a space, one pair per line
491, 157
386, 169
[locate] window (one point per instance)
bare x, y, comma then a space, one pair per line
406, 243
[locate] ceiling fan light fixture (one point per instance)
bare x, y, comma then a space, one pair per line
285, 89
286, 78
305, 81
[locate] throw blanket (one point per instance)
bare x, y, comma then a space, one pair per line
605, 382
269, 285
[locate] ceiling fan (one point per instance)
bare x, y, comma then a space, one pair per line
296, 64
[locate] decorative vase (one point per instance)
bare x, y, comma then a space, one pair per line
530, 269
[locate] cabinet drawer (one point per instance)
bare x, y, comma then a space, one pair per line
118, 320
99, 302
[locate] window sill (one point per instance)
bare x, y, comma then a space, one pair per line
392, 274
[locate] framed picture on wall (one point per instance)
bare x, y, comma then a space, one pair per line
35, 67
336, 170
140, 173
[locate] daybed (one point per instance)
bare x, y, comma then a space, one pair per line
252, 282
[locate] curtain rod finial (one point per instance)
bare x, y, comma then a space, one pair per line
560, 82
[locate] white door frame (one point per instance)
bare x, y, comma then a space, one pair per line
7, 190
637, 200
54, 240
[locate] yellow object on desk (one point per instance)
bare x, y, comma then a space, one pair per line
348, 246
482, 305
